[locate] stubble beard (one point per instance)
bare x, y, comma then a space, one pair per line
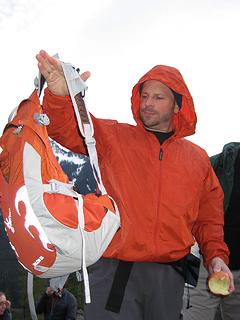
157, 124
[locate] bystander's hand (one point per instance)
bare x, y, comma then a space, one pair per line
49, 291
8, 304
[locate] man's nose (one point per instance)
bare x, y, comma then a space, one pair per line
149, 102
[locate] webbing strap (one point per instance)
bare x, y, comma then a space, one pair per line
56, 186
77, 87
91, 146
63, 188
30, 296
84, 267
120, 281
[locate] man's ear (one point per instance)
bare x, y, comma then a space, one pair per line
176, 108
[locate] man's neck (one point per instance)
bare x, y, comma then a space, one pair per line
157, 130
161, 136
162, 129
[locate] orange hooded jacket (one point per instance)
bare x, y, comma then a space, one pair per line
163, 203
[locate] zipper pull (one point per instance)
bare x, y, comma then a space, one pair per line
161, 154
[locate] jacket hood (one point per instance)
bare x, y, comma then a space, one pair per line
184, 122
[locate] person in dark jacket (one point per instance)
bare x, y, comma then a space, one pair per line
5, 312
57, 306
205, 305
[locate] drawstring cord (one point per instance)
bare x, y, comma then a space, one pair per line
188, 298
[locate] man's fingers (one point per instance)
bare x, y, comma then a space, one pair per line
52, 71
48, 64
44, 57
231, 287
43, 70
44, 54
85, 75
217, 266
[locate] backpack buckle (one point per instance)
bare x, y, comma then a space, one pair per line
41, 118
90, 141
54, 188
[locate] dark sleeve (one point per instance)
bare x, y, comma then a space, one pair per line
7, 315
71, 313
217, 163
41, 306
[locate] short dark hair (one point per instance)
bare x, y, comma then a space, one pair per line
141, 87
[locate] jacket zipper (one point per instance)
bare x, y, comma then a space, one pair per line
159, 223
161, 154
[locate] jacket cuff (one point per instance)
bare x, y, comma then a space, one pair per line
222, 256
59, 100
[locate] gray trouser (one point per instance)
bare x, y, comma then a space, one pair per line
204, 304
153, 292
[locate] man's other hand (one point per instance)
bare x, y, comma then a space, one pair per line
216, 265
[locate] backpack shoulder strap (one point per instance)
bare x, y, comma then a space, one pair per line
30, 296
77, 88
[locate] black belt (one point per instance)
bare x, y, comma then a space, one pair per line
119, 284
188, 267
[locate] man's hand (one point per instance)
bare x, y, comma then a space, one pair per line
51, 70
216, 265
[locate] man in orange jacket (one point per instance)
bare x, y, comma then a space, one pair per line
165, 189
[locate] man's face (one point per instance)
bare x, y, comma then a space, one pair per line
2, 304
157, 106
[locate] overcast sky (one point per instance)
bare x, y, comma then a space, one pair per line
120, 40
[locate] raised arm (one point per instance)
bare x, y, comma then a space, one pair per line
57, 104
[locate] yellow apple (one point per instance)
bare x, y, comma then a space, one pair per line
219, 282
